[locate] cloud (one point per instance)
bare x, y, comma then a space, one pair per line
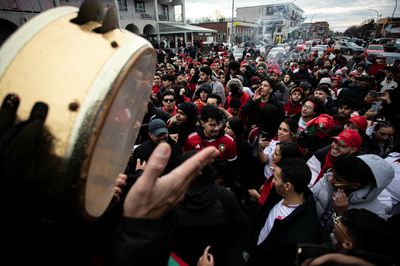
340, 14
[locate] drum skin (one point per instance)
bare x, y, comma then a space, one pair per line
96, 86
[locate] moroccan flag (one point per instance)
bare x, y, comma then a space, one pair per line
174, 260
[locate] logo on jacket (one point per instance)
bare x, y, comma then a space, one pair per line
221, 147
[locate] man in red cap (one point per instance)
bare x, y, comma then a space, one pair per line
347, 142
358, 123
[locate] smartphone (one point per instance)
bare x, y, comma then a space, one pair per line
375, 106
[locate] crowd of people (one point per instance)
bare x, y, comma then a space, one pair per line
311, 145
303, 139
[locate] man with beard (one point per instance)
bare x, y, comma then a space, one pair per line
212, 134
287, 217
346, 107
293, 106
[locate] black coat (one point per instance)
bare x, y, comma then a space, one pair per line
209, 215
252, 110
142, 242
280, 246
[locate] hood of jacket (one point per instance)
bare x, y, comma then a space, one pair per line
383, 173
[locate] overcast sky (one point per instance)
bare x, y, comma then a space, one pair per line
340, 14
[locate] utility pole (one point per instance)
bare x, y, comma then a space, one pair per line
232, 34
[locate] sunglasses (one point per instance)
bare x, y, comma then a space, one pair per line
168, 100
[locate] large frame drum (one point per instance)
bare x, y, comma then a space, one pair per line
97, 87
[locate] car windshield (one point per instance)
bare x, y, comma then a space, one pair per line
352, 44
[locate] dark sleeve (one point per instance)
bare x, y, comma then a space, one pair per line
238, 220
248, 108
141, 242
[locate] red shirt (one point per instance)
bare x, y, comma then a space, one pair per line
225, 144
155, 89
292, 109
244, 98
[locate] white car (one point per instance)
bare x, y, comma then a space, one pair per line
275, 52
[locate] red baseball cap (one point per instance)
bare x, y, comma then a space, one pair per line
274, 70
359, 122
349, 137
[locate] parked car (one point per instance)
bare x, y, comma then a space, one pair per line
300, 47
390, 57
375, 47
276, 53
350, 48
320, 48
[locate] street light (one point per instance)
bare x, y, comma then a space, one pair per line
377, 14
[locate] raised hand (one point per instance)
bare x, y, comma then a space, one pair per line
152, 196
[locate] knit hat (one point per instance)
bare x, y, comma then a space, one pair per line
305, 86
325, 81
233, 82
359, 122
157, 127
203, 87
349, 137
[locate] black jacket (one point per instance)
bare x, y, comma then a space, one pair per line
252, 110
209, 215
142, 242
279, 248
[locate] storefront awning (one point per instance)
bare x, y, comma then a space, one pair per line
169, 28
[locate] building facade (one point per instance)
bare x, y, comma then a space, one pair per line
273, 20
242, 31
315, 30
152, 19
388, 28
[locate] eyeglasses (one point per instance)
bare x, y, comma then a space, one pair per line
307, 107
168, 100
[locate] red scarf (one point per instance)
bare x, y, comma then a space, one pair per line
329, 159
